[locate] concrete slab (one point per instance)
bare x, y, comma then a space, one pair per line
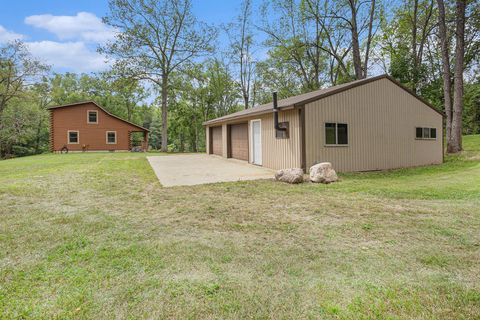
193, 169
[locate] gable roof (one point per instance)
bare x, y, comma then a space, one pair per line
302, 99
101, 108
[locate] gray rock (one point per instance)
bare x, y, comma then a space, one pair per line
294, 175
137, 149
323, 173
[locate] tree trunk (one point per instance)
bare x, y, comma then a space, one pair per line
369, 38
164, 113
456, 145
245, 99
414, 56
447, 80
357, 61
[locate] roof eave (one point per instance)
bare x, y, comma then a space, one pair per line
327, 94
243, 116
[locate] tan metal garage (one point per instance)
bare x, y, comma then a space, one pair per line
216, 134
368, 124
239, 141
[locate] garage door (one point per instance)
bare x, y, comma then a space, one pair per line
217, 140
239, 141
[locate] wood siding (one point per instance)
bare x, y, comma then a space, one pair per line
217, 141
381, 120
92, 136
239, 141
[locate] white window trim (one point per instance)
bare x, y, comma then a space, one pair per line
432, 139
68, 137
106, 137
336, 134
88, 116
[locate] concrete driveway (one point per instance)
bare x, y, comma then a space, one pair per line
192, 169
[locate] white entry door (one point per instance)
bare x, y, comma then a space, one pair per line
257, 142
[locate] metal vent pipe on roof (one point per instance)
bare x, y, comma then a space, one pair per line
275, 113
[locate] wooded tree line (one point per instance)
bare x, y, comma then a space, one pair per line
170, 72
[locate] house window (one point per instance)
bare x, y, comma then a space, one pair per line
92, 116
283, 134
73, 137
336, 134
111, 137
425, 133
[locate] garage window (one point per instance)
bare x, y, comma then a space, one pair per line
422, 133
336, 134
283, 134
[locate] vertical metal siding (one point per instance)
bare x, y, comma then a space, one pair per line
224, 141
217, 140
276, 153
280, 153
207, 139
381, 120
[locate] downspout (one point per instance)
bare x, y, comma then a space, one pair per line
275, 114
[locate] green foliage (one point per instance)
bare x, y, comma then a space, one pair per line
471, 116
404, 43
21, 106
278, 73
26, 128
202, 92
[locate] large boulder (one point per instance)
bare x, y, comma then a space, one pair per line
294, 175
323, 173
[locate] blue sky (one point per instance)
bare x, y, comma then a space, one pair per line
65, 33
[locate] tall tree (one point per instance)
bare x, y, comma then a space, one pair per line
202, 91
421, 26
356, 26
241, 44
40, 93
156, 38
405, 40
330, 38
446, 75
456, 140
18, 71
292, 31
360, 18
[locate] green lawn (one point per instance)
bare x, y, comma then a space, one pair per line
96, 236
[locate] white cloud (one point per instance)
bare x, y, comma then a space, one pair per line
6, 35
83, 26
68, 56
78, 35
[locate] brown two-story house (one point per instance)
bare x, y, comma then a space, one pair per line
86, 126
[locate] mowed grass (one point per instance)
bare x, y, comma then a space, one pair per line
96, 236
